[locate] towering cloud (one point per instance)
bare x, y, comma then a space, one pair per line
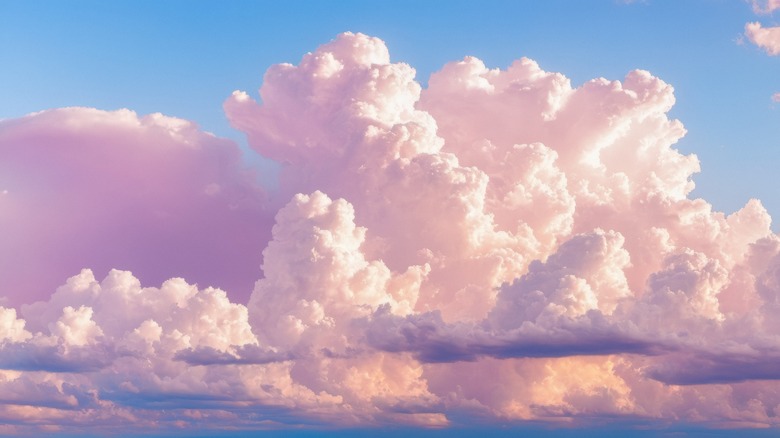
501, 246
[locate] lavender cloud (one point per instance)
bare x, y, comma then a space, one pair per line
765, 6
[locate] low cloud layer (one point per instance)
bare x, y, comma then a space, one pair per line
498, 247
765, 6
767, 38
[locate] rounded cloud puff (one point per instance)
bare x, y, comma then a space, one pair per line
767, 38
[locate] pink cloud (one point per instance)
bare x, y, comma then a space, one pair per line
776, 97
767, 38
498, 223
765, 6
542, 166
89, 188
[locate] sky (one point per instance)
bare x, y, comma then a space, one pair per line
430, 218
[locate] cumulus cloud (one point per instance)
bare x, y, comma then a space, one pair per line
431, 340
767, 38
499, 223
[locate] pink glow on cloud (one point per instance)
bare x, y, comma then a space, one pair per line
499, 223
767, 38
153, 194
765, 6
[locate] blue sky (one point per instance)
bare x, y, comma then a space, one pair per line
184, 58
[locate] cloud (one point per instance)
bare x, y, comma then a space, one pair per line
154, 194
44, 356
765, 6
500, 246
127, 347
767, 38
433, 341
744, 363
244, 354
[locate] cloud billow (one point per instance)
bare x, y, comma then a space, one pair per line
500, 245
